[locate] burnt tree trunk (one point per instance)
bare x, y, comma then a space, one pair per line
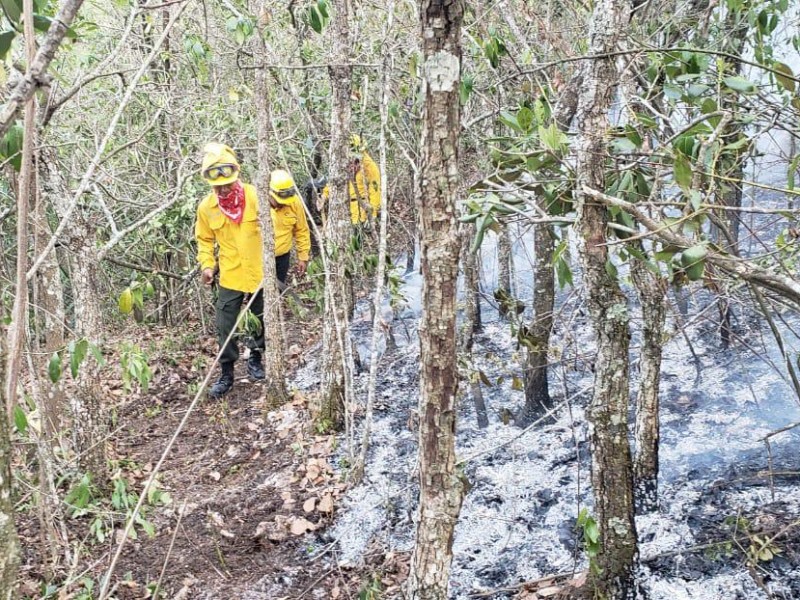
338, 228
274, 364
441, 489
612, 470
537, 334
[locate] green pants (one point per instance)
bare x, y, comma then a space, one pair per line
229, 303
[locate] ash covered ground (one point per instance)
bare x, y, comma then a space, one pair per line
518, 519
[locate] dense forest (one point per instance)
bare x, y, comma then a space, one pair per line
426, 300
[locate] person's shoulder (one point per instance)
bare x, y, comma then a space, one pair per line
249, 189
206, 202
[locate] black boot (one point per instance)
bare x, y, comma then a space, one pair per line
255, 368
224, 383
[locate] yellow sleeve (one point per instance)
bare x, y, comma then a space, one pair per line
302, 234
205, 241
372, 176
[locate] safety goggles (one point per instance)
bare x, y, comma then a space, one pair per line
284, 193
219, 172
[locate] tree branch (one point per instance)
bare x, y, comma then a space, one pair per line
36, 75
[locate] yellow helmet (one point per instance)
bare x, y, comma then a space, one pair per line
356, 144
281, 186
220, 166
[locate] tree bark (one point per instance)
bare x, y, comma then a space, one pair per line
537, 334
441, 489
9, 546
652, 294
337, 228
36, 76
274, 363
612, 473
472, 308
504, 270
89, 420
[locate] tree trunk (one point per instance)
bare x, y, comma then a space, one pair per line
274, 364
652, 293
9, 547
537, 388
89, 419
338, 229
441, 490
537, 334
612, 472
472, 307
49, 336
503, 292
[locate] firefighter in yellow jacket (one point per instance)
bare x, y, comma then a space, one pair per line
364, 185
289, 223
228, 219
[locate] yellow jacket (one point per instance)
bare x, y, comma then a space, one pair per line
289, 223
367, 188
241, 266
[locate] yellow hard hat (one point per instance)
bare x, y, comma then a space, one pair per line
281, 186
220, 166
356, 144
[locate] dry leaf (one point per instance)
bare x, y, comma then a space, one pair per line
309, 504
226, 533
326, 504
301, 526
215, 475
335, 592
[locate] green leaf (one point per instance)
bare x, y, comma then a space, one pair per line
54, 367
563, 273
525, 118
126, 301
792, 171
591, 531
20, 420
739, 84
682, 171
784, 76
611, 269
623, 146
11, 146
12, 10
77, 355
6, 38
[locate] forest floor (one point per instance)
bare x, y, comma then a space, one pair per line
253, 504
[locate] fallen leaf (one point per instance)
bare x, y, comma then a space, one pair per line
215, 475
309, 504
326, 504
335, 592
301, 526
227, 534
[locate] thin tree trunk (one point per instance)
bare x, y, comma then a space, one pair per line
51, 317
19, 313
471, 323
89, 420
274, 364
337, 229
612, 472
441, 489
503, 292
537, 387
652, 297
9, 546
537, 338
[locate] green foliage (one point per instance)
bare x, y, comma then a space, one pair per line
240, 28
317, 15
371, 589
11, 145
591, 539
77, 351
494, 49
134, 367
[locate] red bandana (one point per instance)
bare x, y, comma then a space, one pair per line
232, 204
